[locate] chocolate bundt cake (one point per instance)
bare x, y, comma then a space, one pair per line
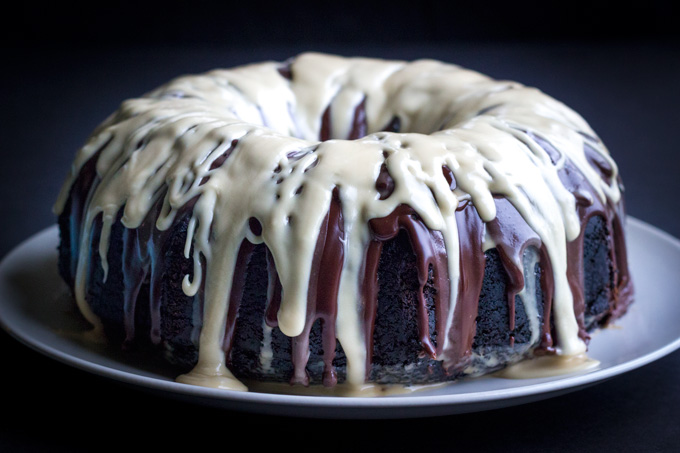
331, 220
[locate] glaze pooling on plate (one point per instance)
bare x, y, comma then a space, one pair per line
359, 149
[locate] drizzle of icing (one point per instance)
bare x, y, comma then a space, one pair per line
317, 155
547, 366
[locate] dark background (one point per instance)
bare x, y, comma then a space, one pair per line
67, 67
261, 23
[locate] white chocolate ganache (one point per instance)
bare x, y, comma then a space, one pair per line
268, 142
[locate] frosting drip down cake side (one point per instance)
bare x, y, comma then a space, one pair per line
331, 220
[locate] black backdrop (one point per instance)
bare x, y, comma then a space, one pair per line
263, 23
67, 67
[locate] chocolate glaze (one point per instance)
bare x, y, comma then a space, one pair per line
86, 182
323, 291
359, 125
143, 262
430, 252
461, 335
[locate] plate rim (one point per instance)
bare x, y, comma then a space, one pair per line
253, 401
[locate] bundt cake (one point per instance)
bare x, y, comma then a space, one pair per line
356, 221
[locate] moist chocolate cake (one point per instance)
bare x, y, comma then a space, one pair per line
331, 220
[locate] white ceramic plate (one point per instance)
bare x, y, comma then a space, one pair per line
35, 309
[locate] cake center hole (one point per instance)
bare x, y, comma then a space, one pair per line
358, 124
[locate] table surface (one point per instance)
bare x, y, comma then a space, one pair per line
51, 100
